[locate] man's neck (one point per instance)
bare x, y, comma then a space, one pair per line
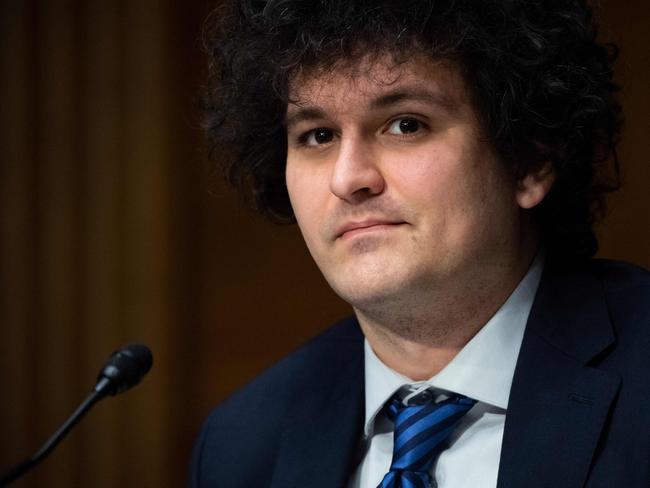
420, 338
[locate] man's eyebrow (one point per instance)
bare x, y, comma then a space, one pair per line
302, 114
418, 94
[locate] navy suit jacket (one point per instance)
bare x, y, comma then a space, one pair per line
578, 416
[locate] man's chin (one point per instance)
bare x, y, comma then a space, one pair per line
368, 294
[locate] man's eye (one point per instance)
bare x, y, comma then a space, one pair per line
404, 126
318, 136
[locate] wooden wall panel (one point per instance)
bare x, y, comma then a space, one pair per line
57, 326
17, 204
101, 436
85, 235
146, 280
626, 231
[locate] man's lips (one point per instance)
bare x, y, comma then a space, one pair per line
352, 228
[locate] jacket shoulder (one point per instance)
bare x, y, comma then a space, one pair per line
627, 291
620, 275
259, 409
315, 362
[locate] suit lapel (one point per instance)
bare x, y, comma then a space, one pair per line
558, 403
319, 447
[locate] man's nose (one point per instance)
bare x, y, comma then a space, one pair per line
356, 174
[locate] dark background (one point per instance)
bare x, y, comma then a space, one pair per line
115, 230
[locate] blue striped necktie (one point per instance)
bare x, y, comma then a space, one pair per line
420, 435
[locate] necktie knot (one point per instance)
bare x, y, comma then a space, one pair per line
421, 432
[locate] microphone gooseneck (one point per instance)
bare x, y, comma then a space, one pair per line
123, 370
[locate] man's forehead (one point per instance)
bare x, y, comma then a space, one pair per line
372, 83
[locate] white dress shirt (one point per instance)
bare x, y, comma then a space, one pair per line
482, 370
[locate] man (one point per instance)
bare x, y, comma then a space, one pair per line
445, 162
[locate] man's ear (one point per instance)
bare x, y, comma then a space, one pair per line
532, 188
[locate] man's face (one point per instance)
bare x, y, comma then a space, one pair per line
393, 185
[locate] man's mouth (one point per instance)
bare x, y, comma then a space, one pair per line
352, 228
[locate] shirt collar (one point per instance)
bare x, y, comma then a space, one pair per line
482, 370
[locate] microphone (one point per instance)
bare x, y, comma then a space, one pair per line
123, 370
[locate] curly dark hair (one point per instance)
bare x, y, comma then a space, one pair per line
538, 78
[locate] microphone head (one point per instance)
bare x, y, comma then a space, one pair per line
124, 369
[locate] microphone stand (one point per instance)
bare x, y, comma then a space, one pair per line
123, 370
21, 468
